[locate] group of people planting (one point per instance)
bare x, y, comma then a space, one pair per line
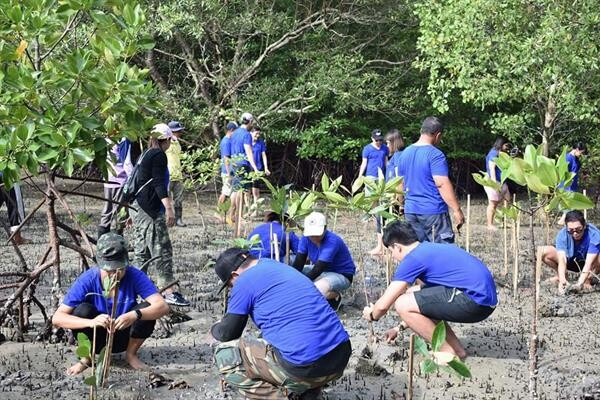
303, 345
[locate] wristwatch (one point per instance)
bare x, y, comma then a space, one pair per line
138, 313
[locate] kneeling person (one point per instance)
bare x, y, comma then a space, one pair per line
303, 345
333, 267
84, 307
458, 287
577, 250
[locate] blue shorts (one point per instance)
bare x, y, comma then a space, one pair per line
239, 180
337, 282
423, 224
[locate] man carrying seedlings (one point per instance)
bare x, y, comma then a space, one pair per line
428, 190
303, 344
457, 287
87, 305
176, 172
577, 250
267, 233
332, 268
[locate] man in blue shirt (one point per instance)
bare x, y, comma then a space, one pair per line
428, 190
272, 237
574, 164
373, 165
226, 167
303, 344
85, 306
259, 150
457, 286
332, 268
242, 160
577, 250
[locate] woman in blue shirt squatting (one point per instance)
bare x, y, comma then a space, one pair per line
374, 160
577, 250
332, 268
303, 344
272, 236
84, 307
456, 287
495, 197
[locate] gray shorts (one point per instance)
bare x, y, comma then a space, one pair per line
337, 282
425, 224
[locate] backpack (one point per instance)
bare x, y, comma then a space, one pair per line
134, 186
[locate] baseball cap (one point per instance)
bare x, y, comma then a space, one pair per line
229, 261
231, 126
314, 224
377, 134
246, 117
162, 132
176, 126
111, 252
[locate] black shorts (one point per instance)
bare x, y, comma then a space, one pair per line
451, 305
575, 264
240, 181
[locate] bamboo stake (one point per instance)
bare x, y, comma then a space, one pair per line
585, 210
93, 387
468, 238
505, 236
238, 219
287, 248
516, 254
388, 263
276, 244
411, 352
547, 220
111, 334
271, 248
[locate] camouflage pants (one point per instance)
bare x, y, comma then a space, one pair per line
249, 365
176, 193
151, 239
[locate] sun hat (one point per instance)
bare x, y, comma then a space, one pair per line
111, 252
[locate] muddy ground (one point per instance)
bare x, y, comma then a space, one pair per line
497, 347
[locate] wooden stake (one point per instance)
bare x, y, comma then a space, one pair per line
271, 248
287, 248
505, 236
516, 254
468, 238
411, 352
276, 244
585, 210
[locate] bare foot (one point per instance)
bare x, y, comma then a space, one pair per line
135, 362
78, 367
553, 280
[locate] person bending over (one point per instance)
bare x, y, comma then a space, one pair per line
84, 307
303, 344
577, 249
332, 268
269, 232
458, 287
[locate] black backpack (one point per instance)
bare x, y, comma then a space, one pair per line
134, 186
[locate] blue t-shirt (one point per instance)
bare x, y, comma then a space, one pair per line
589, 243
239, 138
290, 312
257, 149
574, 166
375, 159
391, 170
263, 250
493, 153
440, 264
88, 289
332, 250
417, 165
225, 147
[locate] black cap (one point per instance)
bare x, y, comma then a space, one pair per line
229, 261
377, 134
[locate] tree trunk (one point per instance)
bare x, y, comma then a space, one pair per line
54, 242
548, 128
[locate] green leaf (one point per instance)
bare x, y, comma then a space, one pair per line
546, 171
484, 180
576, 201
460, 368
421, 346
83, 340
82, 351
516, 171
428, 366
334, 197
100, 367
535, 184
530, 156
324, 183
357, 184
439, 336
90, 380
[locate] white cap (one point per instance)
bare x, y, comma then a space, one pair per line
246, 117
162, 131
314, 224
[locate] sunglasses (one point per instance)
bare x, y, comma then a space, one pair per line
576, 230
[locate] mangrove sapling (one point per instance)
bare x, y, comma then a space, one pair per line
110, 285
545, 180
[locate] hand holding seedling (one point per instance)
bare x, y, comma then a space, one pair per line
102, 321
459, 219
125, 320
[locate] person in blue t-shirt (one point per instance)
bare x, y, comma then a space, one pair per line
303, 345
577, 250
373, 165
457, 287
242, 161
494, 197
259, 150
574, 165
85, 307
272, 239
428, 192
226, 167
332, 268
